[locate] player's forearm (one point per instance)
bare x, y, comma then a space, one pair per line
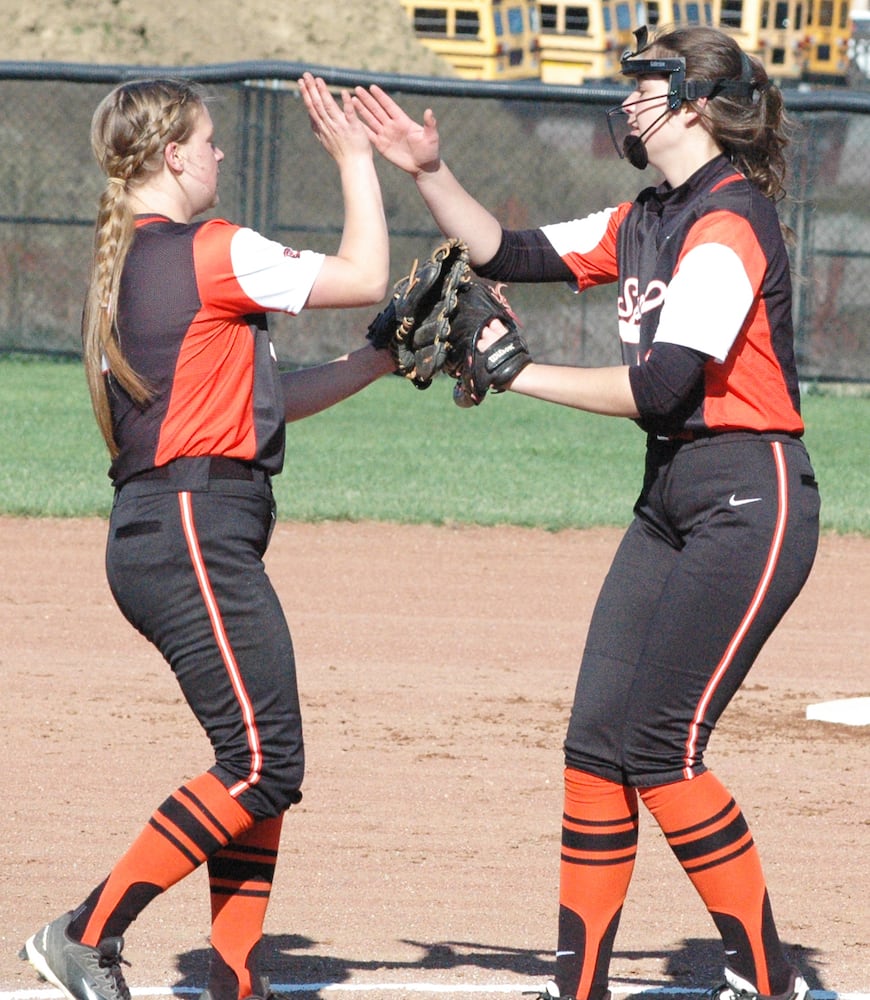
457, 213
597, 390
310, 390
359, 272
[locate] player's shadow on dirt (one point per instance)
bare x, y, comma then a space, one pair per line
695, 966
293, 959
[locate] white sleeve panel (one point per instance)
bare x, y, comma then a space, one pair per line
277, 278
579, 235
707, 301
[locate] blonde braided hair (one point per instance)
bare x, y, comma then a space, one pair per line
129, 131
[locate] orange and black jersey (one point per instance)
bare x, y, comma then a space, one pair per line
701, 268
191, 322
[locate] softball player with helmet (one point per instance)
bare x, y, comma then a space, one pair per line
726, 525
187, 393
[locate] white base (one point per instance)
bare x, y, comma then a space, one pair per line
846, 711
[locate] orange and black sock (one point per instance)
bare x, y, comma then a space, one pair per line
240, 881
193, 823
709, 836
599, 845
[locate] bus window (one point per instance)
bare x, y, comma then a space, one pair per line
844, 16
798, 16
693, 13
826, 13
515, 20
781, 15
547, 13
652, 13
623, 17
468, 23
732, 13
430, 21
576, 20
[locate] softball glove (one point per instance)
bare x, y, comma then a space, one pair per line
476, 370
416, 324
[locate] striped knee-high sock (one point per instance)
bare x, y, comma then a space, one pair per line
194, 822
240, 881
710, 837
599, 845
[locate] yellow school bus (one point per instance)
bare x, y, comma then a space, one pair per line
576, 42
772, 30
584, 41
795, 39
491, 40
826, 40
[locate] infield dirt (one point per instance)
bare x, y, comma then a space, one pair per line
436, 669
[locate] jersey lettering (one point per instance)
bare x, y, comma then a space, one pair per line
631, 305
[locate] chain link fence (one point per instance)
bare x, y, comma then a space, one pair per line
532, 153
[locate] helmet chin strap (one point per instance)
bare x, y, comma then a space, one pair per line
633, 148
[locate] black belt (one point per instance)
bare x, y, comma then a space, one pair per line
219, 467
688, 435
703, 435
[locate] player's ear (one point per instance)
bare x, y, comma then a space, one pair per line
173, 157
694, 110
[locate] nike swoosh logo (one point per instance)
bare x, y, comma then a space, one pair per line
734, 502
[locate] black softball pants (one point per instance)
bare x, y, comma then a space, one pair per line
724, 536
184, 561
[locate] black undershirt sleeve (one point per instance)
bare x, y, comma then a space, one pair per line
525, 255
666, 380
665, 384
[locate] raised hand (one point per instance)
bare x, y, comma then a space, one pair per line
337, 129
407, 144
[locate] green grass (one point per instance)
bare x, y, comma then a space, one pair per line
393, 453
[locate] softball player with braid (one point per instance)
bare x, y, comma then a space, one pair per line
726, 525
189, 399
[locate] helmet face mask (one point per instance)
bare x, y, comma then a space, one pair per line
629, 146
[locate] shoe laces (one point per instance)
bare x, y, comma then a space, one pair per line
110, 960
728, 991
